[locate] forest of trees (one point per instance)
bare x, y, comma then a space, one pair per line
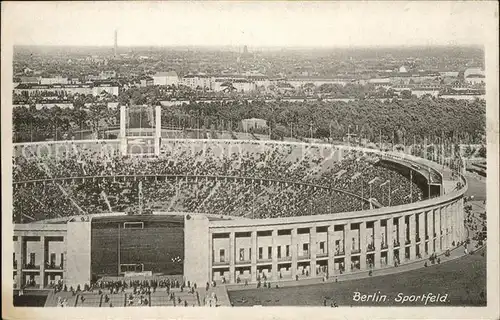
398, 121
401, 120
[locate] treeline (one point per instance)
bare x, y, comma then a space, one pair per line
395, 120
398, 121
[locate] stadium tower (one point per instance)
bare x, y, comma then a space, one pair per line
116, 44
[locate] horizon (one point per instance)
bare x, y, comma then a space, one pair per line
402, 46
254, 24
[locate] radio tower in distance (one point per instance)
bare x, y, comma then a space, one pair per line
116, 44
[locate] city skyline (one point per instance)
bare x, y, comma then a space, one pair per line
235, 25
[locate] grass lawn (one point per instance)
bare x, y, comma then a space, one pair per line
476, 188
463, 280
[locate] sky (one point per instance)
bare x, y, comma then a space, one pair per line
257, 24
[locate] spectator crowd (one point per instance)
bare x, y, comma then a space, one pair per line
273, 181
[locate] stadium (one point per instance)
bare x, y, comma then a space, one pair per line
149, 205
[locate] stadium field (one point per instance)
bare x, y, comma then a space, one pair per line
463, 280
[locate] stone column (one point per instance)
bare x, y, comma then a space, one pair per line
459, 221
362, 245
463, 233
347, 246
294, 252
253, 256
331, 250
157, 129
430, 232
402, 238
449, 234
123, 123
312, 250
377, 237
445, 226
421, 233
42, 264
413, 231
446, 220
211, 255
453, 223
19, 251
274, 255
390, 242
232, 261
437, 227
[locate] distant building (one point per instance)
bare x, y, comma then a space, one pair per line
451, 74
474, 76
110, 74
380, 82
166, 78
198, 81
253, 123
421, 91
475, 79
146, 81
403, 69
245, 50
29, 80
473, 71
110, 87
95, 88
54, 80
317, 81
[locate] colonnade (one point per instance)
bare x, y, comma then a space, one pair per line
352, 245
27, 266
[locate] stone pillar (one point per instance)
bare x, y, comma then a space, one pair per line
437, 229
456, 223
294, 252
362, 245
413, 231
19, 251
157, 129
123, 134
377, 237
197, 249
274, 255
331, 251
253, 255
429, 226
459, 220
421, 232
312, 250
463, 233
402, 238
444, 227
232, 260
42, 264
447, 218
390, 242
211, 255
347, 246
453, 224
